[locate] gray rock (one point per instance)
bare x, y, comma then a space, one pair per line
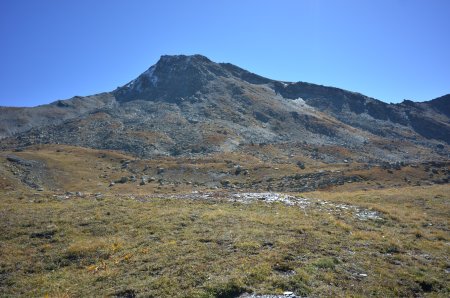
123, 179
225, 183
238, 170
20, 161
301, 165
144, 180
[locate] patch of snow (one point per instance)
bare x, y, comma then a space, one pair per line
150, 74
367, 214
269, 197
285, 294
306, 204
136, 84
300, 105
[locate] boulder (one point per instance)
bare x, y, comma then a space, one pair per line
124, 179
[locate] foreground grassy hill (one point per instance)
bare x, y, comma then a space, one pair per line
67, 231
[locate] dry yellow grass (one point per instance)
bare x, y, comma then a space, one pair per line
115, 245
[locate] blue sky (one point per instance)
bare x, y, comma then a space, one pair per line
387, 49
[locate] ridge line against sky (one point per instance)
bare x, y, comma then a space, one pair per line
390, 50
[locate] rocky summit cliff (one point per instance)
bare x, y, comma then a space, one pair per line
190, 105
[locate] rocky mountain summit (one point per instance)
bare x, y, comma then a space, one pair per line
190, 105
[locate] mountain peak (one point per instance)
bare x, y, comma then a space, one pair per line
183, 59
173, 77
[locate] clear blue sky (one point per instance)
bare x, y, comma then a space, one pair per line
387, 49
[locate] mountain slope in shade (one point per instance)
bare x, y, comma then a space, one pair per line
185, 105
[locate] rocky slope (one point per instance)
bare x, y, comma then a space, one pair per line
16, 120
189, 105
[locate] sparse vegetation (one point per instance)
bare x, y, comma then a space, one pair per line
187, 248
123, 243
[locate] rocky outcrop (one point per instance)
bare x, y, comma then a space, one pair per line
361, 111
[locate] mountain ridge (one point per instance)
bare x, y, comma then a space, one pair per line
192, 105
